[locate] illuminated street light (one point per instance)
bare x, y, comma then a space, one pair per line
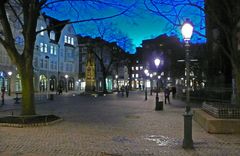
146, 73
187, 30
9, 84
66, 76
157, 62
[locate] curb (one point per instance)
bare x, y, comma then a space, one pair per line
30, 125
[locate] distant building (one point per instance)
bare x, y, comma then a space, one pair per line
171, 70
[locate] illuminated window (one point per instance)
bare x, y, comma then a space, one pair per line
41, 47
72, 41
42, 32
51, 49
52, 35
45, 48
132, 75
65, 39
69, 40
132, 68
141, 67
136, 68
55, 50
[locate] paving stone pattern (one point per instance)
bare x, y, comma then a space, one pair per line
111, 126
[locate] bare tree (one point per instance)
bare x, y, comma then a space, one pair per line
26, 13
224, 14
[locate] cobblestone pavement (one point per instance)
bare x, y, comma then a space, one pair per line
112, 126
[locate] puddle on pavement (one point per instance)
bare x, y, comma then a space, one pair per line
121, 139
161, 140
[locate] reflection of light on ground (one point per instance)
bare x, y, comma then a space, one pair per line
162, 140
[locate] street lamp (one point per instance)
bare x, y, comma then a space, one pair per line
157, 62
9, 84
187, 30
151, 75
117, 81
66, 76
146, 74
47, 57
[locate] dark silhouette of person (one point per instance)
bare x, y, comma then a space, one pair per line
127, 90
122, 90
3, 94
174, 92
166, 95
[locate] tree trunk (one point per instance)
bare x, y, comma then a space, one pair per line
237, 76
104, 82
26, 73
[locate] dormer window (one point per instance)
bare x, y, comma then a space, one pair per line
52, 35
69, 40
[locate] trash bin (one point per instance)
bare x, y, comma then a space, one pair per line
159, 105
51, 97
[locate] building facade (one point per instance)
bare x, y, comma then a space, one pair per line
55, 59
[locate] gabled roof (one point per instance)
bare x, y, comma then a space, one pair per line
54, 25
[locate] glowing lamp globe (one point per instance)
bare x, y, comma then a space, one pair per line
187, 30
157, 62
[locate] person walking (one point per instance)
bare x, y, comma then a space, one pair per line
3, 94
127, 90
122, 90
166, 95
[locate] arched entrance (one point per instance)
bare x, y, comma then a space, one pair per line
70, 83
3, 80
42, 83
52, 83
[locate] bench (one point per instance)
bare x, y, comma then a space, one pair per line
17, 98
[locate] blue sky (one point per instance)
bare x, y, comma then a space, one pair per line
139, 24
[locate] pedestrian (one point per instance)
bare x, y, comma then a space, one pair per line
127, 90
3, 94
173, 91
166, 95
122, 90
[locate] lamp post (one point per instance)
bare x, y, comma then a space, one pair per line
47, 57
9, 84
187, 30
157, 63
117, 81
146, 73
151, 75
66, 76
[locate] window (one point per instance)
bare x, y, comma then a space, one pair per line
45, 48
41, 63
41, 47
69, 40
55, 50
132, 68
72, 41
46, 64
52, 35
51, 49
136, 68
136, 75
42, 32
65, 39
141, 67
51, 66
132, 75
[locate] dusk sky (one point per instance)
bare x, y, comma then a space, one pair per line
138, 24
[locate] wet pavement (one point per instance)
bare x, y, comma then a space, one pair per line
111, 125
